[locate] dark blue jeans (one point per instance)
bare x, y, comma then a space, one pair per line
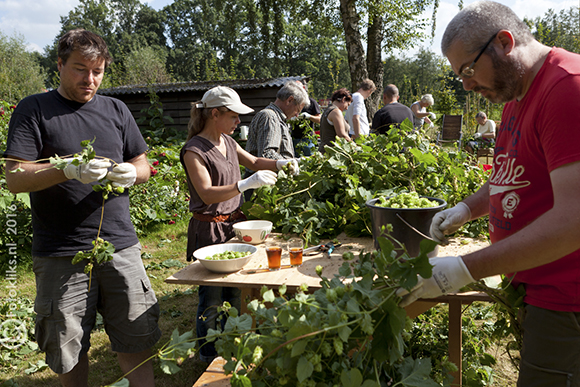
210, 297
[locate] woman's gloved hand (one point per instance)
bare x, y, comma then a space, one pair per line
258, 179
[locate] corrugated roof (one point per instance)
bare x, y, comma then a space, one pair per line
200, 86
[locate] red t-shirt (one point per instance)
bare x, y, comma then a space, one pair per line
537, 135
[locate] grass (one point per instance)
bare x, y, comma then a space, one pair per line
164, 252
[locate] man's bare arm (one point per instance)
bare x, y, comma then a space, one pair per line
143, 168
31, 176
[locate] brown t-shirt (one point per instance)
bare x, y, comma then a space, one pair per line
223, 171
327, 131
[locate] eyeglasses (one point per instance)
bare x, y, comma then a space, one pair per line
469, 71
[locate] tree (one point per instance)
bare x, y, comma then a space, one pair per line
125, 25
20, 73
225, 39
561, 30
143, 66
388, 24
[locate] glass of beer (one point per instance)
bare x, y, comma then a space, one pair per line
274, 253
295, 248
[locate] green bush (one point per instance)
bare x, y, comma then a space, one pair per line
165, 197
15, 215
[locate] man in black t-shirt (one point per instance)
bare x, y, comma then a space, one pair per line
67, 216
393, 113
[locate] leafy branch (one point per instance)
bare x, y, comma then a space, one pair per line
350, 332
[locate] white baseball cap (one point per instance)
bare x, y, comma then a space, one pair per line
224, 96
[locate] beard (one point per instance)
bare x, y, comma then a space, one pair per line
508, 79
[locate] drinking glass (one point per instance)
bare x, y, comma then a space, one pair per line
274, 253
295, 249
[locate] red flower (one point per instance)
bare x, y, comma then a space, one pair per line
162, 154
175, 215
13, 107
1, 112
172, 222
153, 171
155, 163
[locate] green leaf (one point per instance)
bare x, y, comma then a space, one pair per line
169, 367
40, 365
415, 373
425, 158
344, 333
269, 296
351, 378
121, 383
240, 381
25, 197
303, 369
299, 347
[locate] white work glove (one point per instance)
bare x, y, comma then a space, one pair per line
431, 125
305, 115
449, 221
433, 116
294, 168
477, 135
449, 274
123, 175
295, 118
258, 179
94, 170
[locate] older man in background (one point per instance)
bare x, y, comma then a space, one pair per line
420, 113
269, 134
485, 133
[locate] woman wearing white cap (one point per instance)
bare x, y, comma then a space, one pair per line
211, 159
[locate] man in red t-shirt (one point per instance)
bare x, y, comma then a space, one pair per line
531, 196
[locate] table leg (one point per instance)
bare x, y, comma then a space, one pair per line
455, 339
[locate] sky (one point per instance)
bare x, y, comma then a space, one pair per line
39, 20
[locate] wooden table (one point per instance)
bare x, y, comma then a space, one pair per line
256, 274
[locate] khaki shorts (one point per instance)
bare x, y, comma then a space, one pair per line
551, 349
66, 311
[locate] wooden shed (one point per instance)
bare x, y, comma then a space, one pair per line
177, 97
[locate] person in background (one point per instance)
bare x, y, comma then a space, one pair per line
393, 113
67, 216
485, 133
356, 114
332, 122
269, 133
311, 113
420, 113
211, 159
531, 196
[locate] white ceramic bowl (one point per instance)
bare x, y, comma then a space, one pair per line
253, 231
224, 265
